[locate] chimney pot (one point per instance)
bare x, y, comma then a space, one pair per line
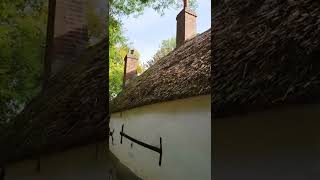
185, 4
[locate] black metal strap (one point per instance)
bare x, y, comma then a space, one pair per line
111, 134
153, 148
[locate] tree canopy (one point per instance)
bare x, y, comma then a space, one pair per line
165, 48
22, 40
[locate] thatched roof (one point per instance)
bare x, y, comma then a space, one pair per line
266, 53
72, 111
184, 72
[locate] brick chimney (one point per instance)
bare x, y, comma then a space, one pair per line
130, 67
67, 32
186, 24
70, 33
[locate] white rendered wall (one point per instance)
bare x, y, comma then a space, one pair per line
76, 164
185, 128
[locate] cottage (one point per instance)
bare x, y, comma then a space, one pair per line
265, 96
265, 90
161, 121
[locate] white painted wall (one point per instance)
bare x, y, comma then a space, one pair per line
76, 164
185, 128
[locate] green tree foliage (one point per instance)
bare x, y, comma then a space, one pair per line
118, 10
117, 51
22, 39
166, 47
116, 69
136, 7
96, 21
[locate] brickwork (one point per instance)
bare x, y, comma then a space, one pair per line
186, 26
130, 67
70, 33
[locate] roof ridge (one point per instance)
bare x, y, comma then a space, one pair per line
170, 77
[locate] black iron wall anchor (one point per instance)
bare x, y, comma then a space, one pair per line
153, 148
111, 134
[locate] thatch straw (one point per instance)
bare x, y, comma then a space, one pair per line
185, 72
265, 54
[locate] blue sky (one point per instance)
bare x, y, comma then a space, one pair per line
146, 31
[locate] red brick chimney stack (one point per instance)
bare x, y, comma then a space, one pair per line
70, 33
186, 24
67, 32
130, 67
